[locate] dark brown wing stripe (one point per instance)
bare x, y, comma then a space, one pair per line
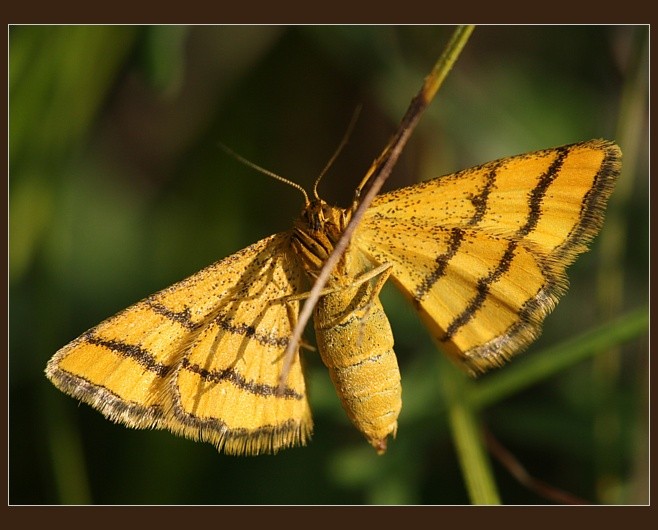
226, 324
130, 350
228, 374
483, 288
184, 318
480, 201
539, 191
442, 260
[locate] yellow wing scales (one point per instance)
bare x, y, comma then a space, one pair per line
482, 253
202, 358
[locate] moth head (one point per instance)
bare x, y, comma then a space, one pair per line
319, 217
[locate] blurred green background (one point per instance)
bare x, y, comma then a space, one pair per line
118, 188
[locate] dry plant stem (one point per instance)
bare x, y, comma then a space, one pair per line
516, 469
375, 178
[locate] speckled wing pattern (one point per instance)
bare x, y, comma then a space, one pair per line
203, 357
482, 253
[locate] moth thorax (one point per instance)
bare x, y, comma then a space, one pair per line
316, 233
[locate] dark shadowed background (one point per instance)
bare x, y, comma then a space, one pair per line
118, 188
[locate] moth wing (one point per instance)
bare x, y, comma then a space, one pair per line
482, 253
201, 358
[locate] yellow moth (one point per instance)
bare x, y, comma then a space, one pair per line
481, 254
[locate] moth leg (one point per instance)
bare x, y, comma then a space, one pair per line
292, 316
304, 296
381, 274
383, 270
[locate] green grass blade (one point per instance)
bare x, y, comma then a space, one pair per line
552, 360
468, 439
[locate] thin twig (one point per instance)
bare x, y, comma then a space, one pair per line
375, 178
516, 469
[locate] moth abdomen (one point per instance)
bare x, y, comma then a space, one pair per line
356, 345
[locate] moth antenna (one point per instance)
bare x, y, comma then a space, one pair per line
343, 142
264, 171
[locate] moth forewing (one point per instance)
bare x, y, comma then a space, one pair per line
201, 358
482, 253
